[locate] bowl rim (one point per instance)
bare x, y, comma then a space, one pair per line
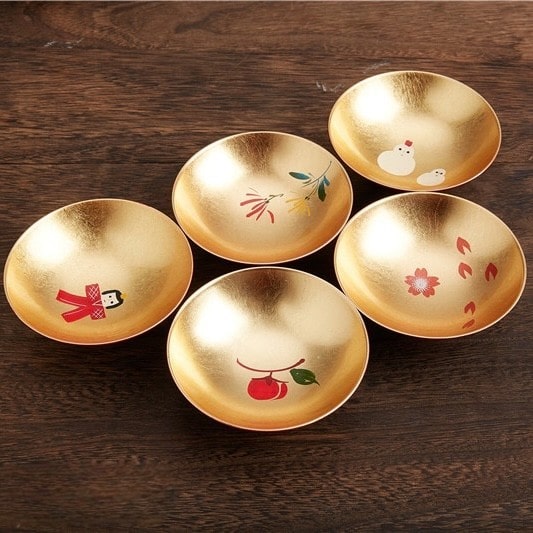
386, 199
427, 73
74, 204
221, 140
357, 314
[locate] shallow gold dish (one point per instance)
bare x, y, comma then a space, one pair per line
98, 271
267, 348
414, 130
262, 197
430, 265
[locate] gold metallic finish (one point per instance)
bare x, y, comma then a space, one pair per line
414, 131
262, 197
430, 265
98, 271
267, 348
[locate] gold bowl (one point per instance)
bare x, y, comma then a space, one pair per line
414, 131
98, 271
430, 265
267, 348
262, 197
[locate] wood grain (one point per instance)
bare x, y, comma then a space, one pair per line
103, 99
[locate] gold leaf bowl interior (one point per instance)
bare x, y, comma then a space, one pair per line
98, 271
267, 348
430, 265
414, 131
262, 197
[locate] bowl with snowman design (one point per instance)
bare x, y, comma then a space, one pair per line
267, 348
429, 264
98, 271
262, 197
414, 131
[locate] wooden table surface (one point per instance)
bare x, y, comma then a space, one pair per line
110, 100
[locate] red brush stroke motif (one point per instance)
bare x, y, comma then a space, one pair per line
462, 245
470, 307
491, 270
468, 324
464, 270
259, 205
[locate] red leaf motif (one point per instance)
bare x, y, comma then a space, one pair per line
491, 270
470, 307
462, 245
464, 269
468, 324
251, 201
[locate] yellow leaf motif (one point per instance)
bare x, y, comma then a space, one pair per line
300, 205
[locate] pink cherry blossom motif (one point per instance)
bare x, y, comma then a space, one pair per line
421, 283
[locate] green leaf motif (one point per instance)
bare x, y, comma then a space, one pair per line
322, 191
303, 376
300, 175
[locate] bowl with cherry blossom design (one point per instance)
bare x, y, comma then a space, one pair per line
430, 265
267, 348
414, 130
262, 197
98, 271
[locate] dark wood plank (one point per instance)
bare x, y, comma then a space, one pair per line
110, 99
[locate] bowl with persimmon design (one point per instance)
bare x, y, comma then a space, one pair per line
267, 348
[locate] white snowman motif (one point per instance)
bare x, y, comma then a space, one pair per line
435, 177
398, 161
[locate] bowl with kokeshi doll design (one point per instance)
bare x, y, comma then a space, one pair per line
414, 130
267, 348
262, 197
98, 271
429, 264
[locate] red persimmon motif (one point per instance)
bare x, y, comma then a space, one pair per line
267, 387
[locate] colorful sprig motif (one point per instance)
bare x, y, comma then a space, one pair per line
318, 185
259, 203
